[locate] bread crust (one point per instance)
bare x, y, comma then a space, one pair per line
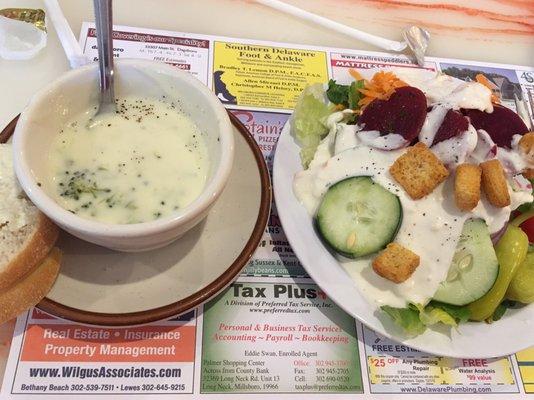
35, 250
29, 291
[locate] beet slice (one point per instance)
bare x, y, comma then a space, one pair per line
501, 124
453, 124
403, 113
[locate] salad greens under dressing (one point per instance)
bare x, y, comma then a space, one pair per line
309, 121
346, 95
514, 282
415, 318
311, 111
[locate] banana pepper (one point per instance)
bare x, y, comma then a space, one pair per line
511, 251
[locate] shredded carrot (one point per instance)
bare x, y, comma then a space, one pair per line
480, 78
381, 86
355, 74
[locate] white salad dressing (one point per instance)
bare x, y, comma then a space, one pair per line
430, 227
485, 149
144, 162
455, 150
444, 89
346, 137
513, 160
391, 141
433, 121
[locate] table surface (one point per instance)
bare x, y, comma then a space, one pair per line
484, 30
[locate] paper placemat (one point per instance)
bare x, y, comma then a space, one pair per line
274, 331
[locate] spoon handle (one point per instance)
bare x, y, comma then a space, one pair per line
104, 27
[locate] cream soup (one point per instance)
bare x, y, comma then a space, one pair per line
146, 161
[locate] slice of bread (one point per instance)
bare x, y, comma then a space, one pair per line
25, 248
26, 234
29, 291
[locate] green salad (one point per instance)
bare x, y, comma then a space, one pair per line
360, 216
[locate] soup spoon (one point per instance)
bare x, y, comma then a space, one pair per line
104, 26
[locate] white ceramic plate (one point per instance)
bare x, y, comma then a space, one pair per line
472, 340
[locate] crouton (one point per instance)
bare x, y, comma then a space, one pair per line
526, 144
529, 173
396, 263
494, 183
467, 186
418, 171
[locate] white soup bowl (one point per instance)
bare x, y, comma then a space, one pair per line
76, 92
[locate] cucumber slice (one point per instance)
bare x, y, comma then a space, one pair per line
474, 268
357, 217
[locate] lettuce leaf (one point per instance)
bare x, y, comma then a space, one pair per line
459, 313
354, 94
346, 95
415, 317
308, 121
407, 319
431, 316
338, 94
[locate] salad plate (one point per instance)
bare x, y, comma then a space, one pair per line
335, 273
97, 286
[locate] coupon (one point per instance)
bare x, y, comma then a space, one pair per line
397, 368
58, 357
274, 256
525, 362
278, 337
264, 76
183, 51
265, 127
526, 80
342, 63
503, 82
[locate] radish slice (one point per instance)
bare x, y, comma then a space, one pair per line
20, 40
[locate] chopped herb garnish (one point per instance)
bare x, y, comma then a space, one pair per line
79, 184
